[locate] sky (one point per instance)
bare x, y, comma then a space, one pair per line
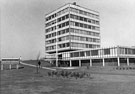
22, 24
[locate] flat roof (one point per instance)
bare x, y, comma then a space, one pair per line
70, 4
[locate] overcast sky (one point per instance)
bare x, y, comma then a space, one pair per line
23, 21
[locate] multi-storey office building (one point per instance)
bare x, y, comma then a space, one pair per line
71, 28
73, 38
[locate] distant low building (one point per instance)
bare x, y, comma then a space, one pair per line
10, 62
112, 56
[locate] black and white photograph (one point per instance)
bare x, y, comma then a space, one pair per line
67, 47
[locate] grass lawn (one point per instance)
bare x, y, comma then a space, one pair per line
27, 81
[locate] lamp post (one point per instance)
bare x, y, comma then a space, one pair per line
56, 45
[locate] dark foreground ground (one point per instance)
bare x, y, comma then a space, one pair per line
27, 81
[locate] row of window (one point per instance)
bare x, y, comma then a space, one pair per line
84, 25
73, 10
100, 52
78, 31
84, 32
58, 33
58, 20
59, 40
57, 14
59, 46
73, 24
50, 23
84, 19
126, 51
63, 18
90, 53
59, 26
73, 17
84, 13
63, 24
82, 45
74, 37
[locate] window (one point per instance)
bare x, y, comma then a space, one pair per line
67, 44
89, 26
71, 54
106, 51
89, 20
71, 16
76, 24
63, 24
85, 19
87, 53
76, 54
90, 45
94, 52
67, 16
59, 19
59, 26
59, 39
85, 25
67, 23
81, 25
81, 18
71, 30
67, 30
63, 18
93, 27
71, 23
80, 11
82, 54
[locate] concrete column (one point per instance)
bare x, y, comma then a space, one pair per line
70, 63
10, 66
103, 62
127, 61
1, 66
79, 63
118, 59
90, 62
57, 63
17, 66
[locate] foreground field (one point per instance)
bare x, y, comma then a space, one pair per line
27, 81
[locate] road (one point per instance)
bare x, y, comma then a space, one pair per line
36, 66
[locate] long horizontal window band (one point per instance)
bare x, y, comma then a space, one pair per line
83, 45
59, 39
73, 17
72, 23
63, 45
57, 14
74, 37
78, 31
80, 45
101, 52
78, 11
58, 33
58, 20
84, 32
58, 26
77, 24
84, 19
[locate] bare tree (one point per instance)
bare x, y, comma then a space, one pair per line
38, 60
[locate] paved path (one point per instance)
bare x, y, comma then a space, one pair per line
36, 66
